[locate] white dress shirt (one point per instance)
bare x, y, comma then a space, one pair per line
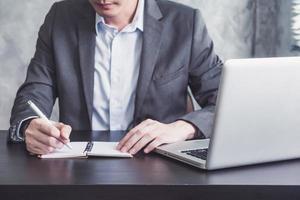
117, 65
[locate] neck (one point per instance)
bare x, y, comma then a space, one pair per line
125, 17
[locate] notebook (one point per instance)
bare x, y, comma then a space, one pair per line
86, 149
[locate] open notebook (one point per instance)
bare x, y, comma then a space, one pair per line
85, 149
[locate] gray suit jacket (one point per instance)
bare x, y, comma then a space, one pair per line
177, 52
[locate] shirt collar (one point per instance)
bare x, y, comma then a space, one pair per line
137, 22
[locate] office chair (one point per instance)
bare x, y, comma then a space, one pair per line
190, 106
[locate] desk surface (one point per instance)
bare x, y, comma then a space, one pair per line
142, 177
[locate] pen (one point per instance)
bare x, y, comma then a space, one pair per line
41, 115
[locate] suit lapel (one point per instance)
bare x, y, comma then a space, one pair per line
151, 44
87, 35
153, 29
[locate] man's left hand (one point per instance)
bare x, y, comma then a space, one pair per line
151, 134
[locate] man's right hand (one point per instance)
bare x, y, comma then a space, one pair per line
42, 137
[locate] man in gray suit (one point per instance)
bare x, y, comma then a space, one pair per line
119, 65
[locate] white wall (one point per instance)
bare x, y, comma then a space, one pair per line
19, 24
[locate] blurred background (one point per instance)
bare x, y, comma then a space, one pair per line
239, 28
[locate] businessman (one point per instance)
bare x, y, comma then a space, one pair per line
119, 65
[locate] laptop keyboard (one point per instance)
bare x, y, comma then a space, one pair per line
198, 153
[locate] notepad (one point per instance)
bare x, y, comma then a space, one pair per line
86, 149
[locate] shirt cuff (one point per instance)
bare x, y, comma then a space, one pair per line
198, 134
15, 133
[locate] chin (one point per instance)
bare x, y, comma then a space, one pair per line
106, 13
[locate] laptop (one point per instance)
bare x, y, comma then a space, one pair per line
257, 117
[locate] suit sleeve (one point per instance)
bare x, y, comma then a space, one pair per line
40, 85
204, 77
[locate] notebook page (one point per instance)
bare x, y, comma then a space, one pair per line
107, 149
76, 151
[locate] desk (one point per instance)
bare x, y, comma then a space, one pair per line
142, 177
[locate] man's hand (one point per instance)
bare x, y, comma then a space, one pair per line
152, 134
42, 137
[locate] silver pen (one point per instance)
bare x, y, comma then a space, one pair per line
41, 115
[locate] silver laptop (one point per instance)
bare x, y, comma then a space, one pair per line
257, 117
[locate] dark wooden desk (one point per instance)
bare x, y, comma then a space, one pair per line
142, 177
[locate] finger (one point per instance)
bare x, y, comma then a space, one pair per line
139, 134
132, 132
141, 143
33, 150
50, 141
46, 127
43, 149
37, 151
157, 142
36, 147
149, 133
65, 131
143, 124
131, 141
124, 140
44, 139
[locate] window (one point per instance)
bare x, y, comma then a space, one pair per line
296, 25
